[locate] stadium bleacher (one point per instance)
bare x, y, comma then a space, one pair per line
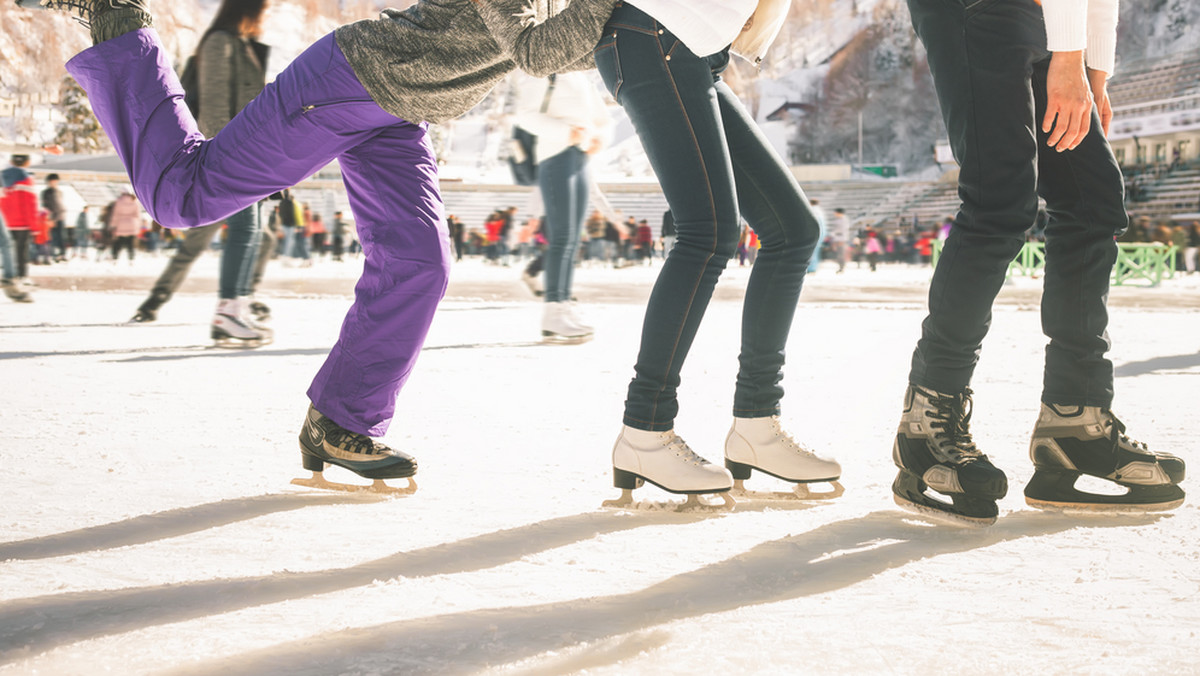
1137, 89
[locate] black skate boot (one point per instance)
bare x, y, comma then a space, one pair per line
934, 452
148, 310
260, 310
1069, 441
324, 441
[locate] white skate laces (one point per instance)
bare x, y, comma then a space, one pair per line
676, 444
787, 440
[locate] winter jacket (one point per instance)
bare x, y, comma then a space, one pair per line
52, 203
126, 218
435, 60
872, 246
19, 201
232, 71
289, 212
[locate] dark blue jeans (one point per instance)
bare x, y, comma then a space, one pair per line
563, 179
243, 236
713, 163
989, 64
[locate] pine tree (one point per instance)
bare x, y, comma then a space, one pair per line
80, 132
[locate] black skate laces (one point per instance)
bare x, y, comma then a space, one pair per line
352, 442
1117, 434
952, 417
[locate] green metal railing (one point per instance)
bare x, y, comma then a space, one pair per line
1147, 261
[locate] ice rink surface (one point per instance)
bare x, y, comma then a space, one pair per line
147, 524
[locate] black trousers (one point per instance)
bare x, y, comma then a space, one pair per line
989, 63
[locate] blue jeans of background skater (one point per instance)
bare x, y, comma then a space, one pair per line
712, 162
815, 260
313, 112
243, 237
563, 179
989, 63
6, 251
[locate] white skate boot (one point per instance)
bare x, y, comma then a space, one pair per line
251, 316
762, 444
558, 327
573, 317
665, 460
15, 291
232, 327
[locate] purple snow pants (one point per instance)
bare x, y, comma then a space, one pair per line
314, 112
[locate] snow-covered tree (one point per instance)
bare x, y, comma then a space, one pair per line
80, 132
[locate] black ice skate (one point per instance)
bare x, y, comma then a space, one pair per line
85, 11
1070, 441
324, 441
260, 311
148, 311
937, 457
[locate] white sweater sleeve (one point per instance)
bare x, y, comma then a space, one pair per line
1090, 25
1102, 35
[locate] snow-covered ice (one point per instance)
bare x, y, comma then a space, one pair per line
147, 524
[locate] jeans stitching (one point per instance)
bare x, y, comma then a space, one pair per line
699, 278
752, 183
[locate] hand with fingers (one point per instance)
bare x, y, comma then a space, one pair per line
1069, 101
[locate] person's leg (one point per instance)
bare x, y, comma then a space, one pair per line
673, 105
983, 85
184, 180
555, 177
1076, 431
407, 265
240, 252
7, 265
773, 204
981, 57
58, 244
1084, 194
20, 240
581, 183
266, 249
289, 241
194, 242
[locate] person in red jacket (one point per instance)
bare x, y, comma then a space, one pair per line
20, 206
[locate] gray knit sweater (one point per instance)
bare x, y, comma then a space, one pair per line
435, 60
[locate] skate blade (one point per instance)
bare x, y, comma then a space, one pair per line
378, 486
944, 517
555, 339
238, 343
800, 491
693, 504
1099, 508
